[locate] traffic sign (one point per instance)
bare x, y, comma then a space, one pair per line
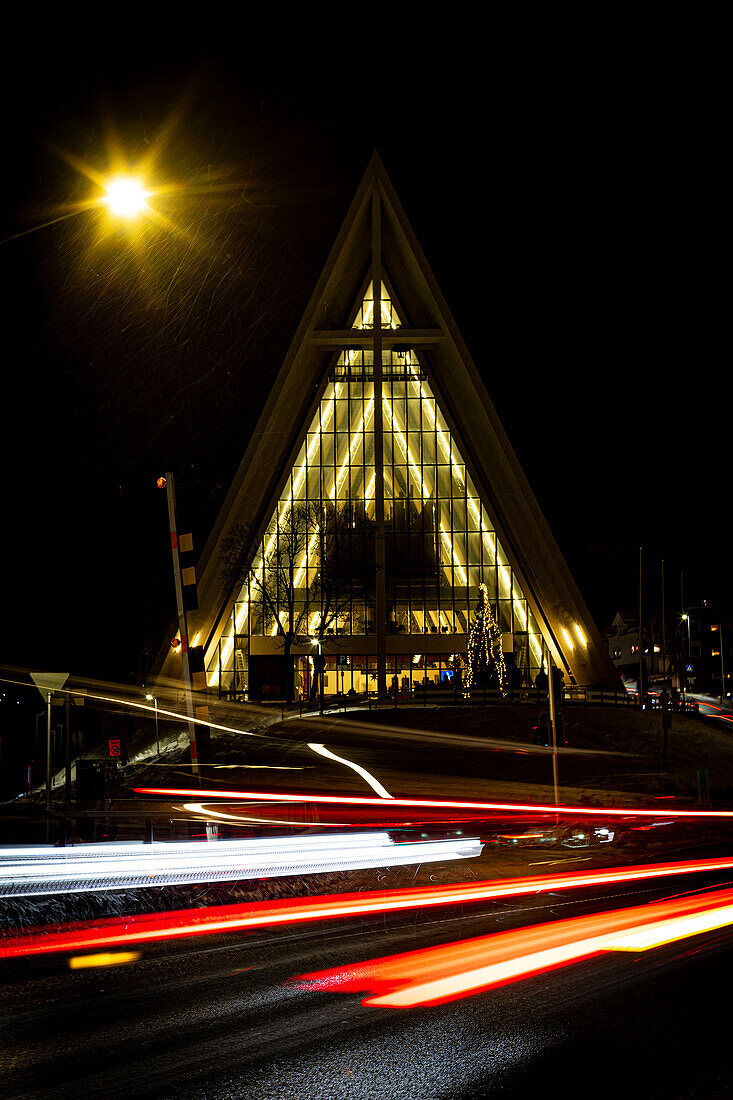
49, 681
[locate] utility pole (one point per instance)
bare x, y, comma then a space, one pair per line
666, 717
379, 545
641, 644
553, 728
720, 642
182, 624
664, 635
684, 616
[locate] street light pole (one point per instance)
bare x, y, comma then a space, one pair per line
152, 699
686, 618
317, 642
664, 636
641, 644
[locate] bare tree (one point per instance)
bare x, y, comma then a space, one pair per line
336, 545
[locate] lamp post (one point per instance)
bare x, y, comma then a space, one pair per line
154, 701
317, 642
686, 619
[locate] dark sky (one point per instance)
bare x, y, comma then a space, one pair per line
573, 215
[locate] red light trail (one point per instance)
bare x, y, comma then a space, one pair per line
493, 807
721, 713
211, 920
435, 975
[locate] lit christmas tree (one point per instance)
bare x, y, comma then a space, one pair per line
485, 654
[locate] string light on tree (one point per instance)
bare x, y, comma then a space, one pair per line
485, 653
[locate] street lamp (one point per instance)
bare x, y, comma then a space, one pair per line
317, 642
686, 619
154, 701
126, 196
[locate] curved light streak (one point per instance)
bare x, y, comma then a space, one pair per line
240, 819
370, 779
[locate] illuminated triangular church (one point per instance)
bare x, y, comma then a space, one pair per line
378, 493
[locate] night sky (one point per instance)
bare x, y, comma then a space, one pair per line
572, 215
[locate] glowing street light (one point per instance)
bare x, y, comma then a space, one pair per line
126, 197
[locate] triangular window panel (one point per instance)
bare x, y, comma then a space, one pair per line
312, 574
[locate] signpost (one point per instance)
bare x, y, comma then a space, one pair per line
342, 662
47, 683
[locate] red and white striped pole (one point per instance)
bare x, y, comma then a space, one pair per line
182, 625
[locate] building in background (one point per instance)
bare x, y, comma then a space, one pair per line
706, 654
377, 497
624, 641
696, 655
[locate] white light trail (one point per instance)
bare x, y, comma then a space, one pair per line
373, 783
84, 868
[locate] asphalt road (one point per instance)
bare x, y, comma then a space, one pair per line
220, 1018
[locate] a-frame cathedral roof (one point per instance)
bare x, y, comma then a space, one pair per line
551, 593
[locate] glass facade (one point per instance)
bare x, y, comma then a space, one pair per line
312, 575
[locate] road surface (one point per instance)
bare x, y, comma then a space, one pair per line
222, 1018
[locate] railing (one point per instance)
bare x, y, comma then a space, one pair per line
459, 696
570, 696
445, 697
365, 373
